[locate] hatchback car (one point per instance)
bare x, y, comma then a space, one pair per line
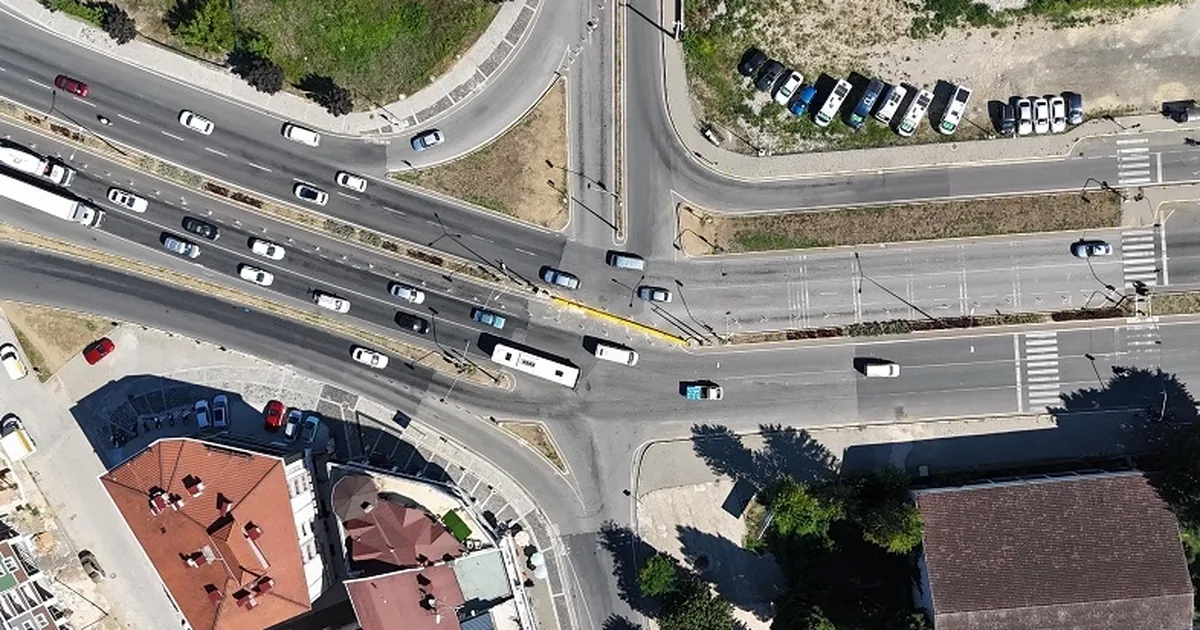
261, 277
311, 194
201, 411
196, 122
488, 318
179, 246
1041, 115
786, 91
273, 416
64, 82
291, 429
127, 200
308, 431
220, 411
427, 139
201, 228
351, 181
752, 60
770, 75
1058, 114
653, 294
803, 100
1085, 248
91, 566
98, 349
405, 292
331, 302
1024, 116
369, 357
561, 278
267, 249
408, 321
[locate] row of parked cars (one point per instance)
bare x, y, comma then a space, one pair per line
1041, 114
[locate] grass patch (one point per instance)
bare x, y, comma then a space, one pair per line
50, 337
904, 222
89, 12
456, 526
754, 516
534, 435
521, 174
1175, 303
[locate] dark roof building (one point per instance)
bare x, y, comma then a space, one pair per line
1092, 552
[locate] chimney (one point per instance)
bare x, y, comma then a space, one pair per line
214, 594
264, 585
248, 602
194, 486
191, 560
158, 503
176, 502
224, 505
253, 532
367, 506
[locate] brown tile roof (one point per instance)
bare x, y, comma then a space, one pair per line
415, 599
380, 530
1098, 552
255, 489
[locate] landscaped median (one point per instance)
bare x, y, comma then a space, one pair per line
414, 355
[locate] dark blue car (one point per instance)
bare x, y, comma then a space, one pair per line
803, 98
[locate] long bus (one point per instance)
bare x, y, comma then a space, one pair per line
538, 366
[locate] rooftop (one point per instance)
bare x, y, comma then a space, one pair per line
383, 534
424, 598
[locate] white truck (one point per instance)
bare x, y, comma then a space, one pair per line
54, 204
31, 163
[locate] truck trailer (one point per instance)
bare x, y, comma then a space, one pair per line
31, 163
52, 203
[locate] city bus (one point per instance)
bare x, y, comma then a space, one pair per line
538, 366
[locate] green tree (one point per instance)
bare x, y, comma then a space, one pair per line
1179, 481
800, 511
881, 507
694, 607
657, 576
205, 24
119, 26
797, 614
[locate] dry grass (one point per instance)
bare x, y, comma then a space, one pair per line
708, 233
50, 337
535, 436
1175, 303
511, 175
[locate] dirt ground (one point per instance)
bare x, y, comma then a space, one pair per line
534, 434
706, 233
511, 174
50, 337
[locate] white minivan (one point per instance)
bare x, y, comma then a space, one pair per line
955, 110
891, 103
832, 104
915, 112
296, 133
616, 354
881, 369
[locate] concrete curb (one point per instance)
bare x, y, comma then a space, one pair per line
605, 315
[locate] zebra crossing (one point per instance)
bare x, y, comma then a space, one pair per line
1133, 162
1142, 336
1139, 256
1040, 369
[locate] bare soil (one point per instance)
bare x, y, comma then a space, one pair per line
520, 174
50, 337
534, 435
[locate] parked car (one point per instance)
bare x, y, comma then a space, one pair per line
331, 302
488, 318
127, 200
308, 431
291, 429
1086, 248
267, 249
91, 566
369, 357
954, 111
865, 104
261, 277
76, 87
273, 416
1024, 116
915, 113
1058, 114
299, 134
803, 100
769, 76
201, 228
97, 350
179, 246
785, 92
12, 362
311, 194
351, 181
752, 60
196, 122
220, 411
405, 292
1008, 120
558, 277
201, 411
653, 294
833, 103
891, 103
881, 368
427, 139
408, 321
1041, 115
1074, 108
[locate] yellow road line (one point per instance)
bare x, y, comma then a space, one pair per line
650, 330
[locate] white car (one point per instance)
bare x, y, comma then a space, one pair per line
786, 91
261, 277
1086, 249
954, 111
371, 358
201, 412
331, 302
405, 292
309, 193
127, 200
299, 134
351, 181
1041, 115
1058, 114
196, 122
426, 139
1024, 109
267, 249
891, 103
220, 411
181, 247
291, 428
915, 112
833, 103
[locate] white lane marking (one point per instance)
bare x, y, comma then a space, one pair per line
482, 238
395, 210
350, 196
261, 168
212, 150
1158, 158
525, 252
39, 84
124, 117
1017, 368
171, 135
1134, 141
1166, 279
1132, 150
88, 103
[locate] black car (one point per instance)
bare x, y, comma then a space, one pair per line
416, 324
201, 228
751, 61
1008, 120
770, 75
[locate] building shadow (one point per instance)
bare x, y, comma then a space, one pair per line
786, 451
627, 551
746, 579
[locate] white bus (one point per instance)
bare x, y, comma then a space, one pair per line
540, 367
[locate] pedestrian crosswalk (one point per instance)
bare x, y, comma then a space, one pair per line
1040, 369
1142, 336
1139, 256
1133, 162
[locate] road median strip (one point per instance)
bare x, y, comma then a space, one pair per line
625, 321
413, 355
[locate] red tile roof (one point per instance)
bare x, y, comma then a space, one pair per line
415, 599
1100, 552
257, 488
384, 531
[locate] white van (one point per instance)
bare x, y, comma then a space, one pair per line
622, 260
882, 369
12, 362
832, 104
616, 354
891, 103
302, 135
914, 114
331, 302
955, 110
16, 443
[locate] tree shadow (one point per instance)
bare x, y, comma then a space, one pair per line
786, 451
316, 84
747, 580
628, 550
617, 622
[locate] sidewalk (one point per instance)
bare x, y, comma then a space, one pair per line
456, 87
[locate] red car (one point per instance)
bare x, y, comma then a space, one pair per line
273, 415
64, 82
98, 350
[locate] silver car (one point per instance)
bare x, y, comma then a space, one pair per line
560, 278
181, 247
654, 294
405, 292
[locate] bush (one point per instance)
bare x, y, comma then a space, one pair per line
262, 74
657, 577
205, 24
337, 101
119, 26
90, 12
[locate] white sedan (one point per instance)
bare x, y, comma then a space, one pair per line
1024, 117
267, 249
369, 357
351, 181
1058, 114
405, 292
196, 122
258, 276
128, 200
1041, 115
311, 194
784, 94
